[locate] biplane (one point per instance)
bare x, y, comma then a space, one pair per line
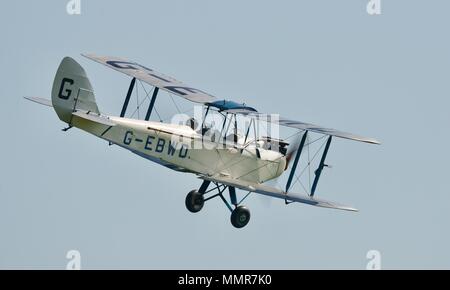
226, 158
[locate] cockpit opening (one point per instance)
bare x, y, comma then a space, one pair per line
273, 144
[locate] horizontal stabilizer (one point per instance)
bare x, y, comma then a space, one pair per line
277, 193
94, 118
42, 101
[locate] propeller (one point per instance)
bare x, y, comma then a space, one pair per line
292, 149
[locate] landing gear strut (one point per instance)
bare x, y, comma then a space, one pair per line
240, 215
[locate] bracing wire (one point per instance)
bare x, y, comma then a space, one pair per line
308, 166
175, 104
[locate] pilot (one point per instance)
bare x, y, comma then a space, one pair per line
192, 123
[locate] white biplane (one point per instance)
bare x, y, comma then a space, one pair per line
222, 160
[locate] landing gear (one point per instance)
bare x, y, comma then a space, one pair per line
240, 217
194, 201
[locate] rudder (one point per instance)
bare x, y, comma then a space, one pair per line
72, 91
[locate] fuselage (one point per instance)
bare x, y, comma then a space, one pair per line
181, 148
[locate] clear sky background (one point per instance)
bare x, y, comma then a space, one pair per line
326, 62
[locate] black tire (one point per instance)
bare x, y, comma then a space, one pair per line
194, 201
240, 217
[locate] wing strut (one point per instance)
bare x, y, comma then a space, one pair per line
297, 158
321, 166
127, 98
203, 131
152, 104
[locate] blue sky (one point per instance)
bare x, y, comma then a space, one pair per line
326, 62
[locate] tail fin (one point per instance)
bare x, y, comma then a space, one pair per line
72, 91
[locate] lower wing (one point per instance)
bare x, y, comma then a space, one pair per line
277, 193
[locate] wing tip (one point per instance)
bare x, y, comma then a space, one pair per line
373, 141
89, 55
357, 138
342, 207
352, 209
334, 205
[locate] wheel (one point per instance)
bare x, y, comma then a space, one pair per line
240, 217
194, 201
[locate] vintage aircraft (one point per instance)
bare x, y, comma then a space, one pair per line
226, 161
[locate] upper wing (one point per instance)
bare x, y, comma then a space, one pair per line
153, 78
305, 126
178, 88
274, 192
